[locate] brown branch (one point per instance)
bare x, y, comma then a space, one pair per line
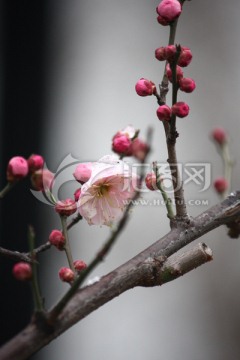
145, 269
15, 255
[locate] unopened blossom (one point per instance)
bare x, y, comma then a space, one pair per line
57, 239
145, 87
151, 181
160, 53
170, 52
66, 274
79, 265
179, 72
105, 195
185, 56
77, 194
164, 112
129, 131
219, 135
66, 207
180, 109
139, 149
83, 172
42, 180
220, 185
187, 85
22, 271
17, 168
35, 162
169, 10
121, 144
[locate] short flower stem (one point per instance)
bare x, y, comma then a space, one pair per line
6, 189
167, 200
35, 287
67, 244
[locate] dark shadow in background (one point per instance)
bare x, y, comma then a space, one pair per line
24, 34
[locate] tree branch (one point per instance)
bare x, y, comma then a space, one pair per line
149, 268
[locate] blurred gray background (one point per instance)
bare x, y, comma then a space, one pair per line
97, 52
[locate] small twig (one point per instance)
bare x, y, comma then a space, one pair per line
15, 255
35, 287
67, 248
7, 188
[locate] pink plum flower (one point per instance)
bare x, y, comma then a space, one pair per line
104, 196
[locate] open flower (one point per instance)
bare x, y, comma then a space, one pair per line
104, 196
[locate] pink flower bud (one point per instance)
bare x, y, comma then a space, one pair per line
179, 72
66, 274
57, 239
164, 112
17, 168
35, 162
160, 54
42, 179
170, 52
22, 271
219, 135
121, 144
66, 207
77, 194
162, 21
145, 87
220, 185
180, 109
187, 85
139, 149
79, 265
169, 9
83, 172
185, 57
151, 182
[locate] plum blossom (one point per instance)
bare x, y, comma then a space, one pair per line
103, 197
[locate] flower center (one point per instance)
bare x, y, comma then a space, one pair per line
102, 189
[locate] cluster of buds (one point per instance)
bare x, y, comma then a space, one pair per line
68, 275
127, 143
177, 57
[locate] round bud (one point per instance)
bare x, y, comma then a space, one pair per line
220, 185
121, 144
17, 168
169, 10
151, 182
180, 109
35, 162
185, 56
187, 85
219, 135
83, 172
22, 271
79, 265
145, 87
66, 207
66, 274
57, 239
164, 113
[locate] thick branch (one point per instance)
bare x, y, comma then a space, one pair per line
145, 269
